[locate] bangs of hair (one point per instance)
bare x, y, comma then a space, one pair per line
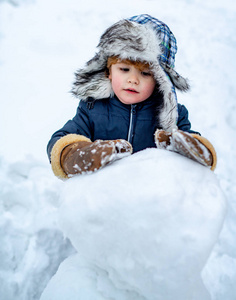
140, 65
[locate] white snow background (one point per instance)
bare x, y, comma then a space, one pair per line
42, 43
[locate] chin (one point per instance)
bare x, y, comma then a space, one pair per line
130, 101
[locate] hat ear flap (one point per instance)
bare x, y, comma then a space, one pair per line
178, 81
91, 81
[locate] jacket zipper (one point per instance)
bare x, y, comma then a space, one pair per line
131, 125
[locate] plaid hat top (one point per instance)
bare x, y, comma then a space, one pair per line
168, 40
139, 38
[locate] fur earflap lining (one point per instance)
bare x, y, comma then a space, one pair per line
168, 114
95, 85
57, 149
210, 147
178, 81
91, 81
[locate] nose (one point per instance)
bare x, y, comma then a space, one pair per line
133, 78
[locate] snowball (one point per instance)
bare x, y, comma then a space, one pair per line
143, 227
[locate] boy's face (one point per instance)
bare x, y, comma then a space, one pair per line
130, 84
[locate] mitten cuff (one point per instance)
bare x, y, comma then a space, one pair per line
210, 147
57, 149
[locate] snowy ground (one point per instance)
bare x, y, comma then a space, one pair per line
42, 43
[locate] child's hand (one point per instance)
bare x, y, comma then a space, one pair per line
184, 143
85, 157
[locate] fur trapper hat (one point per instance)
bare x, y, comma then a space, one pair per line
140, 38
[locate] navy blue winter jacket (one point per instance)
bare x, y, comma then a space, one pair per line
110, 119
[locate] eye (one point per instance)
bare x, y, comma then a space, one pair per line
124, 69
146, 73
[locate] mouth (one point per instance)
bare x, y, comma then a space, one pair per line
132, 91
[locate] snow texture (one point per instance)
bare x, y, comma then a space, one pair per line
146, 235
42, 43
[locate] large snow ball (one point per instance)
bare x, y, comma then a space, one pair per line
147, 222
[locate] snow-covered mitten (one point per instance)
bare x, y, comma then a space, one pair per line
85, 157
192, 146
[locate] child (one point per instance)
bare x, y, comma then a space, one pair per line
128, 102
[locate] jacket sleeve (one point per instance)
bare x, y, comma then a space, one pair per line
75, 130
183, 122
79, 125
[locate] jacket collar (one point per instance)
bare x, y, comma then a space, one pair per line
150, 102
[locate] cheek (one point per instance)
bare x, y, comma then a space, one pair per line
115, 83
149, 88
